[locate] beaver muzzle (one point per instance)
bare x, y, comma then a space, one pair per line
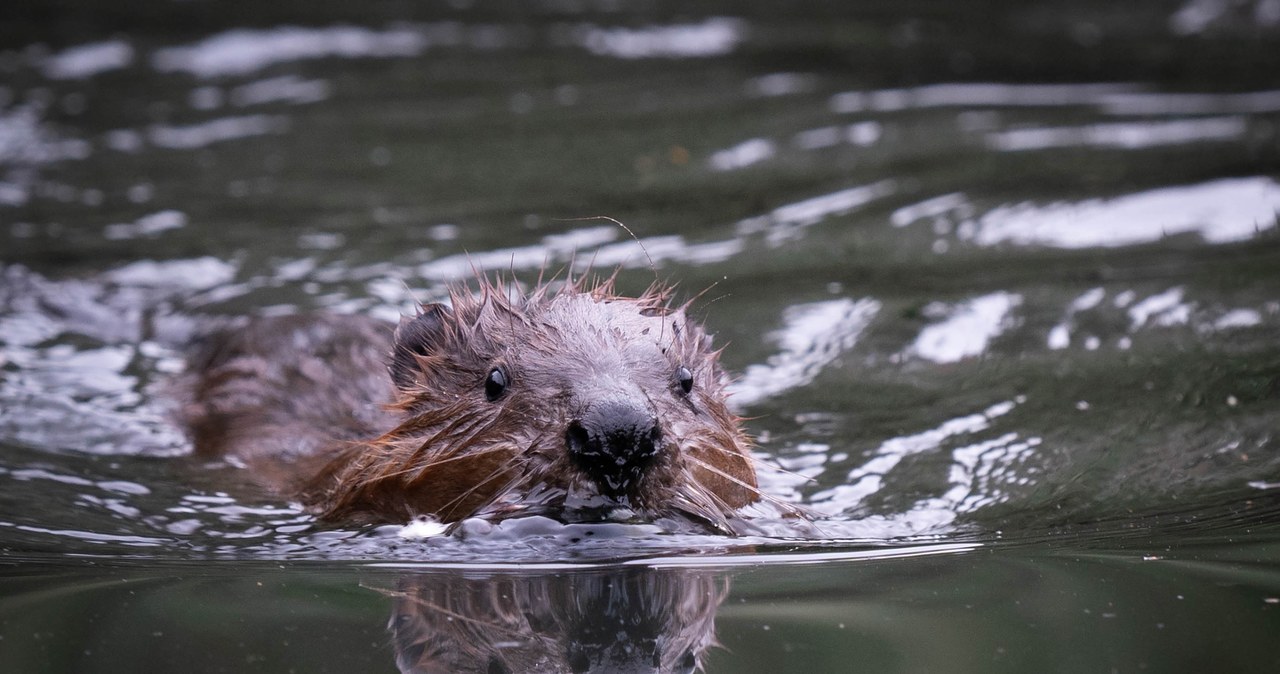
613, 442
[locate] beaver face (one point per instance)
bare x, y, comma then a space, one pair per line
570, 401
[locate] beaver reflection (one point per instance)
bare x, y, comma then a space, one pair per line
622, 620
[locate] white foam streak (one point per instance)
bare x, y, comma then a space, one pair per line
1090, 299
813, 210
147, 225
1111, 99
1125, 135
967, 330
1238, 318
1060, 334
742, 155
285, 89
1246, 103
24, 139
781, 84
714, 37
633, 253
577, 245
929, 208
88, 60
1166, 307
785, 222
215, 131
455, 267
812, 337
977, 471
868, 478
970, 95
242, 51
1233, 209
197, 273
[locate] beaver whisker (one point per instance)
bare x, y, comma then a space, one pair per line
704, 507
434, 463
716, 471
790, 508
520, 477
757, 461
453, 503
773, 466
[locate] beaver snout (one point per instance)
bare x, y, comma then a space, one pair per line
613, 443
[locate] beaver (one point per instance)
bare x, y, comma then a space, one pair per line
569, 400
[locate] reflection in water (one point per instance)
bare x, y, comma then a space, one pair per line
608, 620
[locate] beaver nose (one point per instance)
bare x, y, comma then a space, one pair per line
613, 442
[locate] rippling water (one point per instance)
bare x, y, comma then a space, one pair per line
999, 285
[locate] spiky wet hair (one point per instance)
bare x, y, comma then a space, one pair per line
460, 450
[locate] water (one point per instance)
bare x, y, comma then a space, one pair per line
998, 281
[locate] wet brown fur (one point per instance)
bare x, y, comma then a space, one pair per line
300, 402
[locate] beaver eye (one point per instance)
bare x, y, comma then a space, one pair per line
495, 384
685, 378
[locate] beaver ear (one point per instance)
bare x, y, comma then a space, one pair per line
414, 337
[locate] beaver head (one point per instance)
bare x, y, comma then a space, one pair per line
574, 401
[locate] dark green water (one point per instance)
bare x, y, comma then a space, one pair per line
1001, 283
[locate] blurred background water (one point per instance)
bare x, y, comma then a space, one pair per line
1000, 282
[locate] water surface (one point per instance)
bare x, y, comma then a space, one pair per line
998, 282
